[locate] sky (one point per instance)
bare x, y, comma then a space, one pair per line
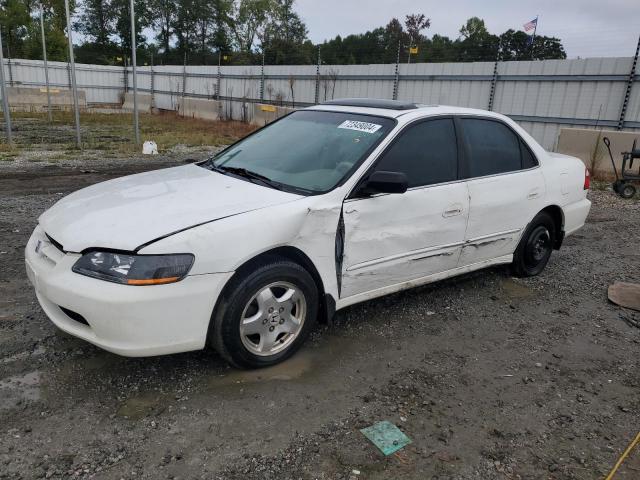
587, 28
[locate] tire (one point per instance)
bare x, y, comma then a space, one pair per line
535, 246
627, 191
265, 315
616, 186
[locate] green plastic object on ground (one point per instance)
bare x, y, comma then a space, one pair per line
386, 436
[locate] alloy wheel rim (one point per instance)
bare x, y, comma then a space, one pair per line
273, 318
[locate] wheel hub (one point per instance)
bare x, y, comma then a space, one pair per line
273, 318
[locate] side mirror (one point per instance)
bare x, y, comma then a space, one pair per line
384, 182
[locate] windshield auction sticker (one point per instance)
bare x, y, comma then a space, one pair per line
360, 126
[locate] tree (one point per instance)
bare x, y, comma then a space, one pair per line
122, 26
516, 46
97, 21
163, 20
414, 24
284, 35
246, 19
14, 19
478, 44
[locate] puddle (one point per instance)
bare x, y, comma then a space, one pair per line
20, 388
309, 361
141, 406
293, 368
512, 289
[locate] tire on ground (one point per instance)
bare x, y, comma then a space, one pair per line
225, 334
527, 261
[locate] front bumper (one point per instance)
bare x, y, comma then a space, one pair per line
134, 321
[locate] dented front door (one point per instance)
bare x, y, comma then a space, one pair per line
394, 238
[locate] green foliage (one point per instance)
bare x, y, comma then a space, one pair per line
242, 32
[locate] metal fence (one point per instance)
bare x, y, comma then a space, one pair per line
541, 95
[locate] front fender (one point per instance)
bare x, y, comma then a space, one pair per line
309, 225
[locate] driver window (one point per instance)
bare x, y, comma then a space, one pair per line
427, 153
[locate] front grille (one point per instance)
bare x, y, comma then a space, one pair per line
74, 316
58, 245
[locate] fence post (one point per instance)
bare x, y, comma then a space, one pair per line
10, 72
494, 79
318, 78
44, 58
627, 93
126, 74
153, 84
219, 75
396, 79
5, 100
184, 77
134, 61
262, 78
72, 63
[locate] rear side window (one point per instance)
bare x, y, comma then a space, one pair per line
492, 146
528, 160
427, 153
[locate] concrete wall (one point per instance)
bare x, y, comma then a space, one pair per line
199, 108
26, 99
587, 145
264, 113
144, 102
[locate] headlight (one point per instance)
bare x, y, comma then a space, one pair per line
134, 269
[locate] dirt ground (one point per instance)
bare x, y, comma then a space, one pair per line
491, 377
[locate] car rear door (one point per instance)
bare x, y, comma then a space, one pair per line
394, 238
506, 188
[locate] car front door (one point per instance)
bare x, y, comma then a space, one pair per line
393, 238
506, 188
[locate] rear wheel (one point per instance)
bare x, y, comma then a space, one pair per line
265, 315
535, 246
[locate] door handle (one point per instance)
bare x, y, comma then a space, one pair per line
452, 211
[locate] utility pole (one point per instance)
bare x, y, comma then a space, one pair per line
44, 58
135, 79
74, 86
5, 99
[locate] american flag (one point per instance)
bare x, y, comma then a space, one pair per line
531, 25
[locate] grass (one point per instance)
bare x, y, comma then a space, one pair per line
113, 133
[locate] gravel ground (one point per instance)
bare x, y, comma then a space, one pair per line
491, 377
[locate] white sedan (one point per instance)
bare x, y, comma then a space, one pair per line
329, 206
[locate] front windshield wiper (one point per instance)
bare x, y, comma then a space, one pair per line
243, 172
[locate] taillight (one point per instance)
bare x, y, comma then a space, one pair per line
587, 179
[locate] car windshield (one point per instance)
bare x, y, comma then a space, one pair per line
308, 151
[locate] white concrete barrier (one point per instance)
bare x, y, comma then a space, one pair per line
145, 102
199, 108
25, 99
587, 145
264, 113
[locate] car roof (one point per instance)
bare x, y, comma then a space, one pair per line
376, 107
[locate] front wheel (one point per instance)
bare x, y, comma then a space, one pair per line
535, 246
265, 315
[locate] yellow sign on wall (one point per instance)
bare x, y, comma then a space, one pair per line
413, 50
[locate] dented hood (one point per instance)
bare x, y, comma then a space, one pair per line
128, 212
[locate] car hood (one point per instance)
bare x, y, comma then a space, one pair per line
128, 212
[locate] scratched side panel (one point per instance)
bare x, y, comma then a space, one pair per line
501, 207
393, 238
